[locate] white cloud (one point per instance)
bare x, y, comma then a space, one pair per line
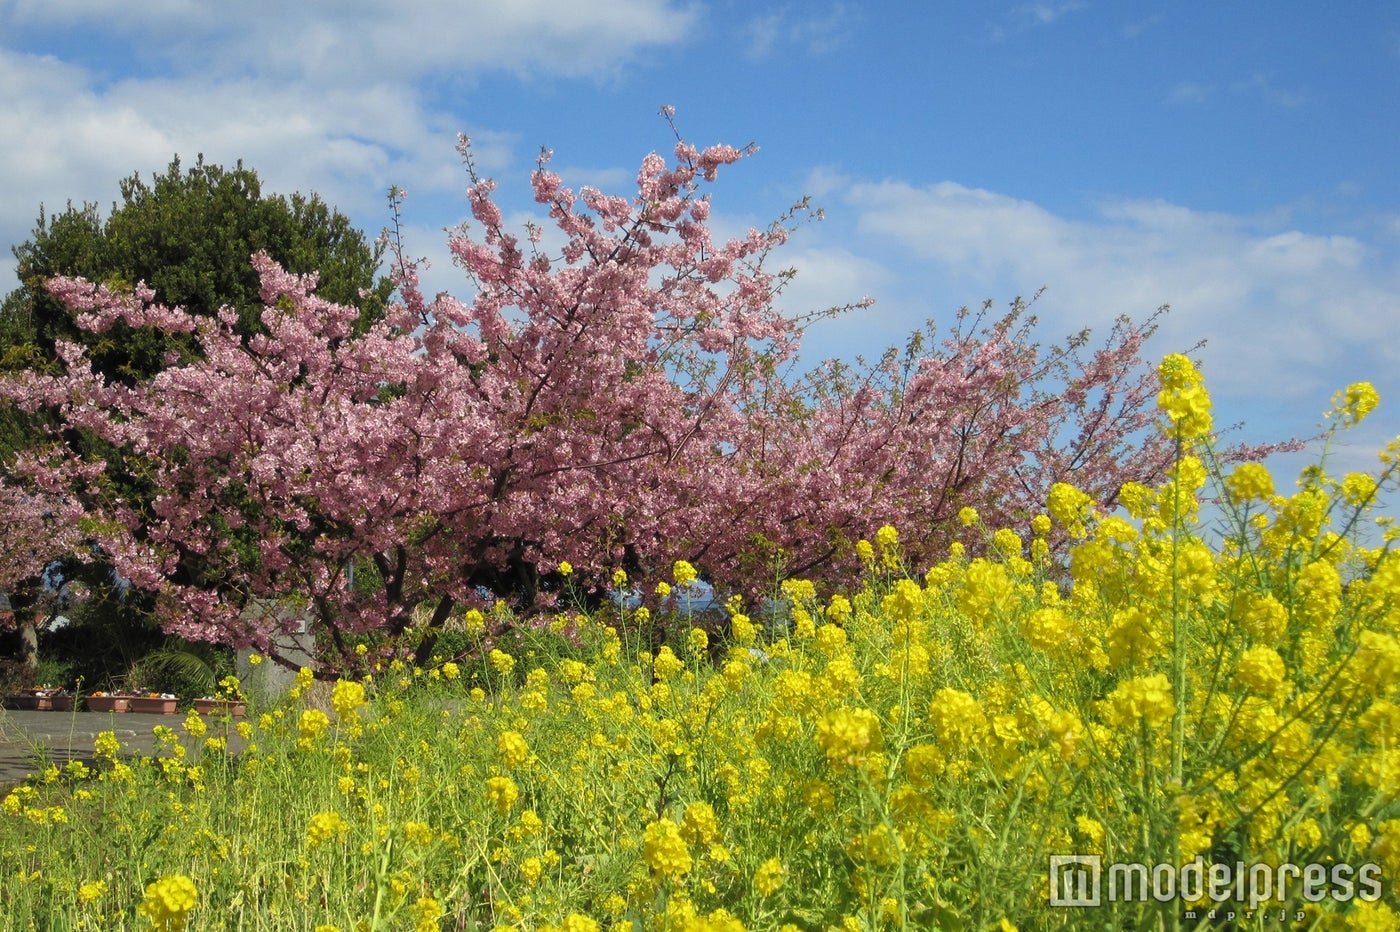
69, 138
1137, 28
814, 31
348, 40
1046, 13
1272, 303
62, 142
763, 33
1270, 92
1027, 16
1189, 92
831, 276
313, 96
1256, 85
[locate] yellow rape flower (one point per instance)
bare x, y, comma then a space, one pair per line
92, 891
1355, 402
426, 913
1249, 482
168, 902
839, 611
347, 697
1070, 507
194, 725
957, 717
324, 826
742, 630
1047, 628
1261, 670
905, 603
419, 833
1147, 698
887, 537
1376, 663
666, 664
831, 639
503, 792
1135, 636
1008, 543
514, 750
1262, 616
1183, 398
769, 877
664, 849
683, 573
848, 736
313, 724
1358, 488
106, 745
532, 868
698, 824
799, 590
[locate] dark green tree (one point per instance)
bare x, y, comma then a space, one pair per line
189, 234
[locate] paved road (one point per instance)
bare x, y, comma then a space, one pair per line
30, 739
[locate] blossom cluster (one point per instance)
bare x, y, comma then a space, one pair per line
452, 445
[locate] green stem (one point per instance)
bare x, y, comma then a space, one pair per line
1178, 672
379, 883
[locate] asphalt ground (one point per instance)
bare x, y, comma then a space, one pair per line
30, 741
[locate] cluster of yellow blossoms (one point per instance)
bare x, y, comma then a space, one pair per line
1103, 681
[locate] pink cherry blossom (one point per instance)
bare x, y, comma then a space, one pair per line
631, 398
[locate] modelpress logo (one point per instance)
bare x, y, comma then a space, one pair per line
1081, 880
1074, 880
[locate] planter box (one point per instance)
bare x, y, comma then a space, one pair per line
29, 702
107, 703
151, 705
220, 707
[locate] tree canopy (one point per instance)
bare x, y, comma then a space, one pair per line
622, 402
189, 234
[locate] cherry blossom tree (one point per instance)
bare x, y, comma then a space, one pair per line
37, 529
629, 398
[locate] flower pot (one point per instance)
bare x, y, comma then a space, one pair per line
107, 703
151, 704
40, 702
219, 707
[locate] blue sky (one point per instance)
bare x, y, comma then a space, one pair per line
1235, 161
